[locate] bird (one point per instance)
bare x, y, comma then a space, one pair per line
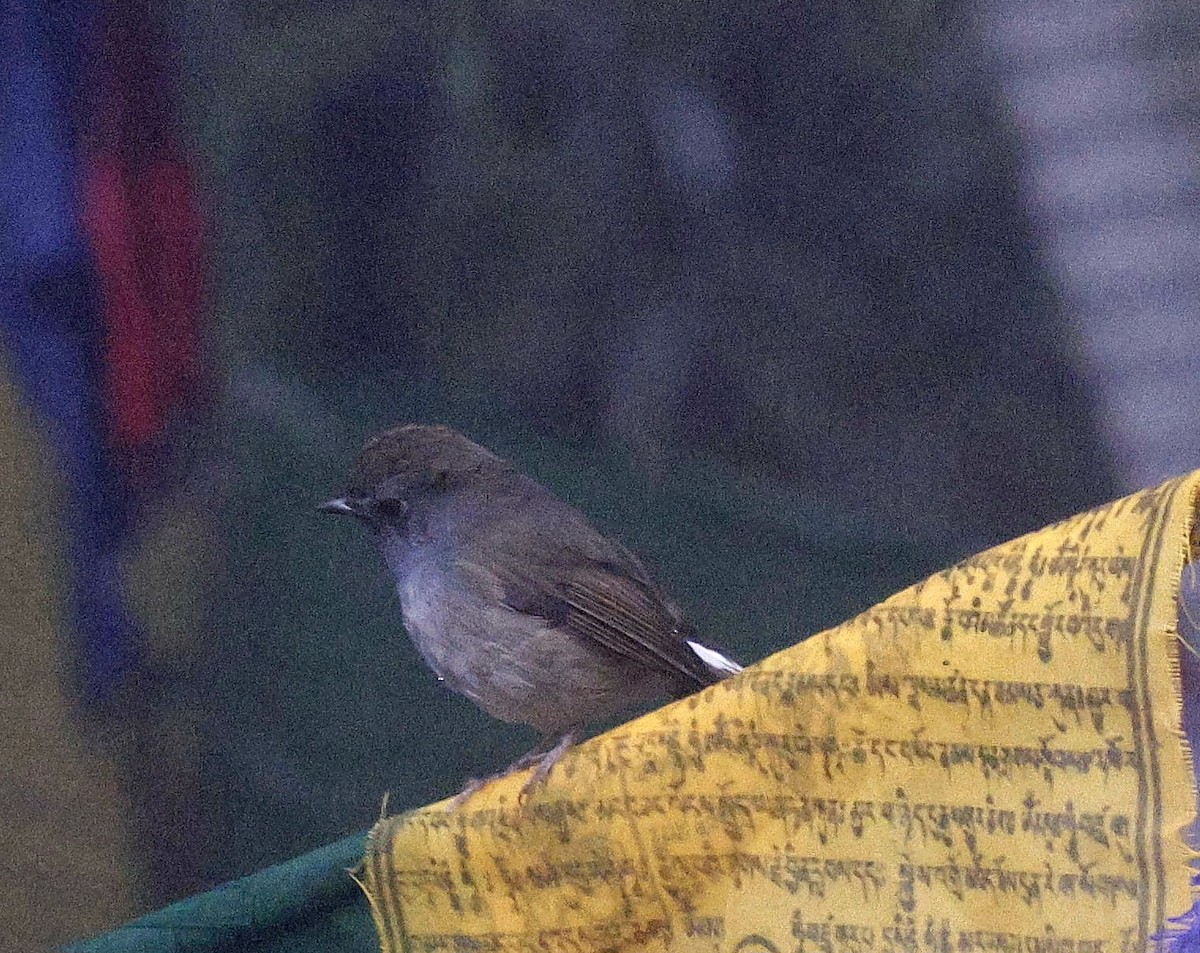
513, 598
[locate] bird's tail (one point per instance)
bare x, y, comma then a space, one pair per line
698, 665
720, 665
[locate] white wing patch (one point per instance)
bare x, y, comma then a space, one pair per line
714, 659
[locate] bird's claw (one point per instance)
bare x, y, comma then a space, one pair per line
539, 759
472, 786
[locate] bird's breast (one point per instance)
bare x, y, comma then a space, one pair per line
426, 602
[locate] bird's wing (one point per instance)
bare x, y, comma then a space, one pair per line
602, 602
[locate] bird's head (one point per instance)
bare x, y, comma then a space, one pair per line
405, 465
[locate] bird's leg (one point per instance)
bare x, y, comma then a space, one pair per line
545, 761
545, 755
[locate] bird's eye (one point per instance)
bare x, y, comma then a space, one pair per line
391, 508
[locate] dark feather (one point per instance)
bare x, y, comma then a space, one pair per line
594, 600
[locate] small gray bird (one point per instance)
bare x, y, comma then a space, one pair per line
512, 597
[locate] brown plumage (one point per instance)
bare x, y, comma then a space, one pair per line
512, 597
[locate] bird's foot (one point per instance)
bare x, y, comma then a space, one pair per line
540, 758
471, 787
545, 761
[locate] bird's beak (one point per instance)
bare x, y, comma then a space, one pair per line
340, 505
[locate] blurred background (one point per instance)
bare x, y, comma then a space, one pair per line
801, 301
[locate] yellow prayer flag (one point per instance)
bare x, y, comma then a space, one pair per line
988, 761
